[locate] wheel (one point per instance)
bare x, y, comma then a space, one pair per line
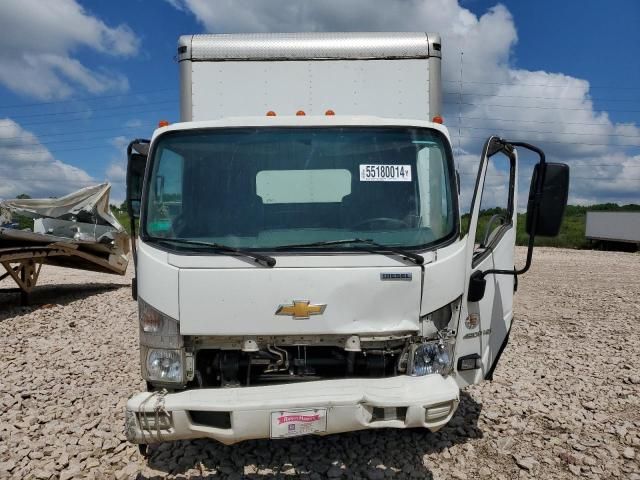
392, 221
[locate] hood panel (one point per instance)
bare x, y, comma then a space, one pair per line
244, 301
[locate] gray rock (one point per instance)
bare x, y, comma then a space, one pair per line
7, 466
484, 472
130, 471
458, 475
69, 473
42, 474
504, 444
526, 463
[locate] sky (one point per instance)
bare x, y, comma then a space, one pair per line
91, 75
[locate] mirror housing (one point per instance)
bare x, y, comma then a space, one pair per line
137, 152
551, 201
477, 286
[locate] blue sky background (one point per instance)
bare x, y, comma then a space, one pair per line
597, 41
121, 81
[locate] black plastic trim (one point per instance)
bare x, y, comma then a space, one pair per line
489, 375
473, 356
207, 418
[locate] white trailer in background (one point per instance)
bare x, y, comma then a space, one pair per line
623, 227
301, 267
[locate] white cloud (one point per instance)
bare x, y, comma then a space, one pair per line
37, 40
551, 109
120, 142
116, 173
29, 167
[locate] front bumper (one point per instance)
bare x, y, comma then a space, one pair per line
245, 412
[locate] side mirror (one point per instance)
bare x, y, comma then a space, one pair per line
551, 201
547, 200
136, 163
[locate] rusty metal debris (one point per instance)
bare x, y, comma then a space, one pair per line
75, 231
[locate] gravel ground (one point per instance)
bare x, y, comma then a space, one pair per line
564, 402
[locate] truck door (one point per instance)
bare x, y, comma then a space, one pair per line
490, 245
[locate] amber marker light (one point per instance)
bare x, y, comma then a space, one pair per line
437, 119
300, 113
163, 123
271, 113
329, 113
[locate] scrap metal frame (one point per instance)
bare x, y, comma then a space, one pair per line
23, 264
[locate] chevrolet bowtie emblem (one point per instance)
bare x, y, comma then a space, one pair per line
300, 309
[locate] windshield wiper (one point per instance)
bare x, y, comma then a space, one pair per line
263, 259
378, 248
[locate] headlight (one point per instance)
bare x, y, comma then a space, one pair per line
428, 358
164, 365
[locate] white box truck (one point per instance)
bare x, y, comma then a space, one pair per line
301, 266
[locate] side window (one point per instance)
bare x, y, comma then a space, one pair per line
496, 205
165, 193
434, 191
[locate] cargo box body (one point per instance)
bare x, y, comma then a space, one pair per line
392, 75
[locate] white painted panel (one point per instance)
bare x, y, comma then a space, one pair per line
385, 88
495, 309
244, 301
444, 279
157, 280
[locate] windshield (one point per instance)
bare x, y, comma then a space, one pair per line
268, 187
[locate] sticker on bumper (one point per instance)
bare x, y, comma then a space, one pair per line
299, 422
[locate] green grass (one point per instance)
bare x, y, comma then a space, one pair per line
123, 217
571, 233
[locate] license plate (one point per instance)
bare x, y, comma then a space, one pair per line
292, 423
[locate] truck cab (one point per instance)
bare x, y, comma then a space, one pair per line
301, 263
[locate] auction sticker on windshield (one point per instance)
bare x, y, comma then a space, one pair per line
298, 422
385, 173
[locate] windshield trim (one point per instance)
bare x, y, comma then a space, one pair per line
440, 243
